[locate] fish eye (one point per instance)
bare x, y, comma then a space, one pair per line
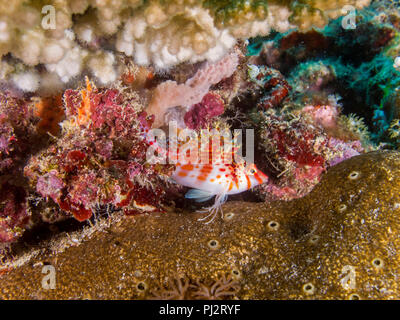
252, 171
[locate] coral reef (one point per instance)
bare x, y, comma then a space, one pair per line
275, 87
316, 247
100, 157
89, 88
18, 138
298, 150
69, 37
14, 214
358, 66
169, 94
299, 138
201, 113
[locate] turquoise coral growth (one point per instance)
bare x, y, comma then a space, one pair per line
357, 66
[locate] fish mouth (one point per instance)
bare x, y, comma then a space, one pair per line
263, 176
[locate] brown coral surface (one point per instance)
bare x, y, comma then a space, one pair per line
341, 241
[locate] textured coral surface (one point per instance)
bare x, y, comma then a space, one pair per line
339, 242
71, 38
83, 183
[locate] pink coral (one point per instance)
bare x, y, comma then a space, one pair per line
50, 185
14, 215
84, 189
201, 113
344, 150
7, 142
325, 116
170, 94
16, 132
18, 140
300, 150
102, 160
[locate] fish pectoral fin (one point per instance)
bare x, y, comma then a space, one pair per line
198, 195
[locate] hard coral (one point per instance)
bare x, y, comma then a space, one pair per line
275, 87
69, 38
17, 130
334, 243
365, 75
17, 134
325, 116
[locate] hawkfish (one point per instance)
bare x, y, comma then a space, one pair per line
219, 180
219, 172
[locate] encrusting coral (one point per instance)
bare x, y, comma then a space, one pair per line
298, 149
316, 247
357, 65
68, 37
298, 138
201, 113
18, 138
100, 157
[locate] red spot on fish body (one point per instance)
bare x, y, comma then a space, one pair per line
205, 170
248, 181
258, 178
188, 167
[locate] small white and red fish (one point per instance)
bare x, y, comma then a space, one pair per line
218, 180
213, 175
220, 172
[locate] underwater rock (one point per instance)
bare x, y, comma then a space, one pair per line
341, 241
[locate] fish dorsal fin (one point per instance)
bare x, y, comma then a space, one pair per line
198, 195
208, 147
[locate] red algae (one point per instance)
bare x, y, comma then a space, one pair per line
202, 113
100, 158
